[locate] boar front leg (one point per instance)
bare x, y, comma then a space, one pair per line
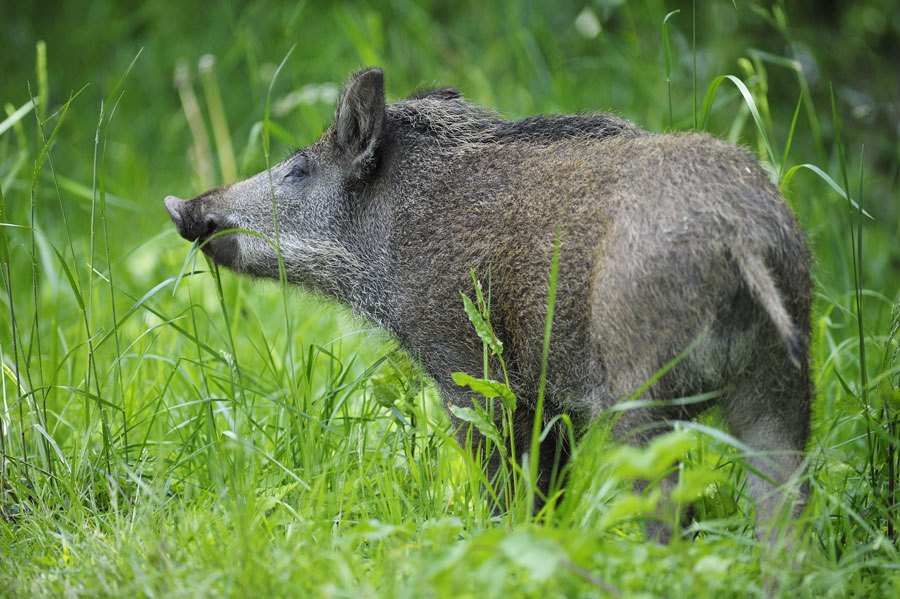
553, 456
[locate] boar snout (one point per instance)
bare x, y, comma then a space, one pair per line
193, 221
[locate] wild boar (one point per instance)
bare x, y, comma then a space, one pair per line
667, 243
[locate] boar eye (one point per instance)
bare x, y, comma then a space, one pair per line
299, 170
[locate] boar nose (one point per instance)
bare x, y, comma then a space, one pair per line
190, 219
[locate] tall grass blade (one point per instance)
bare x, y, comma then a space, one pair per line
667, 53
14, 335
694, 58
16, 116
790, 139
191, 108
789, 175
282, 274
43, 155
222, 136
43, 86
748, 100
538, 424
99, 186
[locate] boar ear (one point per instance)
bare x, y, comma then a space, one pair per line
360, 116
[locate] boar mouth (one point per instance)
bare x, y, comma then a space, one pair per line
197, 225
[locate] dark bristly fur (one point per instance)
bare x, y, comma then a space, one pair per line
666, 239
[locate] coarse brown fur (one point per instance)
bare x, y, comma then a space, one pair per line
666, 240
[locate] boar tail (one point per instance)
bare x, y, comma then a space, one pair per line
762, 287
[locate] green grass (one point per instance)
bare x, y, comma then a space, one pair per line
167, 430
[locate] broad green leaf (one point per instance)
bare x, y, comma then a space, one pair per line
629, 506
385, 392
693, 484
713, 566
537, 555
488, 388
653, 461
479, 419
484, 330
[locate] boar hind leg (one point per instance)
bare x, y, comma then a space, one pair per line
769, 412
638, 427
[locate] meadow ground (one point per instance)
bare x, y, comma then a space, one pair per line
167, 430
